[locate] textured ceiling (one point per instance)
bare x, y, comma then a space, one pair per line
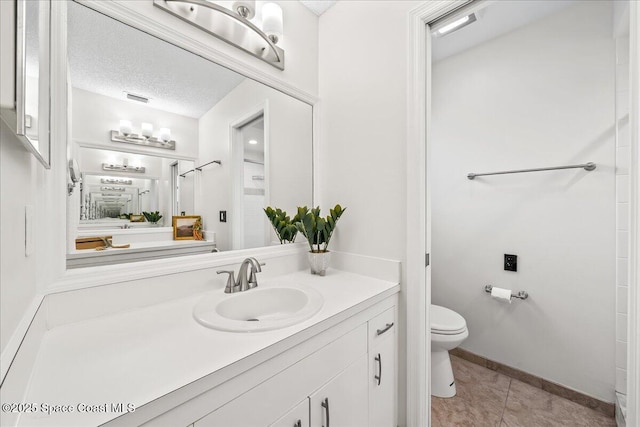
109, 58
495, 19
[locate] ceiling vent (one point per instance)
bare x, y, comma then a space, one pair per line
138, 98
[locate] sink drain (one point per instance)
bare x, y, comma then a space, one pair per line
253, 320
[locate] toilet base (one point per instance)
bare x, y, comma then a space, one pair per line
442, 381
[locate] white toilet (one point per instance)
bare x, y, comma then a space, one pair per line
448, 330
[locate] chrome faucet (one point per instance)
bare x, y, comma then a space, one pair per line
246, 279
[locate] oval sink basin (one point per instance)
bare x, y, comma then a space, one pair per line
258, 309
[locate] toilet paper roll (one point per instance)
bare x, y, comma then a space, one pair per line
501, 294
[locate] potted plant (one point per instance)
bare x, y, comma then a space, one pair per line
152, 217
197, 230
318, 231
283, 226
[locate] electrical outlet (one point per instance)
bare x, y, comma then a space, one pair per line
223, 216
510, 262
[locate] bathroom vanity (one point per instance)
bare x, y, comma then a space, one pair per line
164, 368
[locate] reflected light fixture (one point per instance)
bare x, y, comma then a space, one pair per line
116, 181
237, 26
253, 142
125, 134
122, 168
450, 27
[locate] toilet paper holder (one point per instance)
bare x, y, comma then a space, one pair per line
520, 294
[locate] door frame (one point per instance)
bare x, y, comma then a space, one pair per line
236, 157
419, 219
418, 233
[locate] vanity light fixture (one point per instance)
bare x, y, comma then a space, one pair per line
235, 26
122, 168
116, 181
246, 9
112, 188
450, 27
125, 134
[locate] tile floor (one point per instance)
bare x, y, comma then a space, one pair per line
488, 398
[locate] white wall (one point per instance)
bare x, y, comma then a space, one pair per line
540, 96
19, 177
288, 127
623, 147
363, 57
363, 121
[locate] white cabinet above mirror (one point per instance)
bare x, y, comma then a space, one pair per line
250, 144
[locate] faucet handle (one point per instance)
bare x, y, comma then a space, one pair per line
231, 281
252, 279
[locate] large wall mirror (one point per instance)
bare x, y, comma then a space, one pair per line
154, 127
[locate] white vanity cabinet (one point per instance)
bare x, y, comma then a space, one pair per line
342, 401
297, 417
383, 388
329, 387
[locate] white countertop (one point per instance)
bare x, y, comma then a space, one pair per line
137, 356
138, 247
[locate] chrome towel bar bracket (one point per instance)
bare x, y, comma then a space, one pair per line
520, 294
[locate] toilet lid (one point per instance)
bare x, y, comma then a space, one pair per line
445, 321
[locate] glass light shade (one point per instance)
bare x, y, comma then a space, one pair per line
165, 134
272, 20
125, 127
147, 130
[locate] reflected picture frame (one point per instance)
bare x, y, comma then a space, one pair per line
183, 226
136, 218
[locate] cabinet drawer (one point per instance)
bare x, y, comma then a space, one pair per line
381, 326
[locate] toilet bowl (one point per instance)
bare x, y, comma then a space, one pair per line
448, 330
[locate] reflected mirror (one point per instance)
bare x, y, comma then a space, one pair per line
157, 128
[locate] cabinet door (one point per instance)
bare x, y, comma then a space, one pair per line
382, 383
297, 417
342, 402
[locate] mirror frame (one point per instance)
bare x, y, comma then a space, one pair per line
16, 118
170, 32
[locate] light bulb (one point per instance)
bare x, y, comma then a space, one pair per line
147, 130
125, 127
272, 21
165, 134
